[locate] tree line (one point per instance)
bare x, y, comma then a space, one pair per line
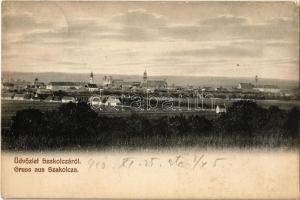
78, 126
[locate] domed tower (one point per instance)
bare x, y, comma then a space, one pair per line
256, 80
91, 78
36, 80
35, 83
145, 77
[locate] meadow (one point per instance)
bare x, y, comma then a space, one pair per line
77, 126
9, 108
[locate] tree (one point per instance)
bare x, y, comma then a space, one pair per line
27, 122
291, 125
243, 117
200, 124
78, 122
276, 118
26, 130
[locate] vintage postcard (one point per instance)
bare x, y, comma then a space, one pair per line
150, 100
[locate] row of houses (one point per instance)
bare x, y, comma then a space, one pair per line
146, 83
136, 85
107, 101
30, 97
69, 86
90, 86
259, 88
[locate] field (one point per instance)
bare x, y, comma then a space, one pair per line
245, 125
10, 107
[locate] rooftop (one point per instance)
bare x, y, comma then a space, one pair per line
66, 83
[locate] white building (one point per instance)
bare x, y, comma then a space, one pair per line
245, 86
268, 88
112, 101
7, 96
68, 100
19, 97
56, 86
91, 87
220, 109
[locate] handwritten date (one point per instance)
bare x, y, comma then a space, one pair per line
177, 161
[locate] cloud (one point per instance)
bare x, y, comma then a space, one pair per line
81, 31
23, 22
271, 30
72, 63
187, 32
139, 18
233, 28
137, 34
224, 20
75, 33
220, 51
143, 26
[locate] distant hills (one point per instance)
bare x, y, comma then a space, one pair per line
176, 80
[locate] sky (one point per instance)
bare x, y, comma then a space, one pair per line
165, 38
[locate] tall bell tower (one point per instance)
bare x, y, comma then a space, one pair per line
145, 77
91, 78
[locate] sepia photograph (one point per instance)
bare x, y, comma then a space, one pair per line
150, 92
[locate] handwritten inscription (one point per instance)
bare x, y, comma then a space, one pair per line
177, 161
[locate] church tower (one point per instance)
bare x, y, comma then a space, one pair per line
91, 78
256, 80
145, 77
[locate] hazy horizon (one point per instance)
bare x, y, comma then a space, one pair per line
176, 80
149, 75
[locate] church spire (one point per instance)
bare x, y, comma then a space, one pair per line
145, 76
91, 78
